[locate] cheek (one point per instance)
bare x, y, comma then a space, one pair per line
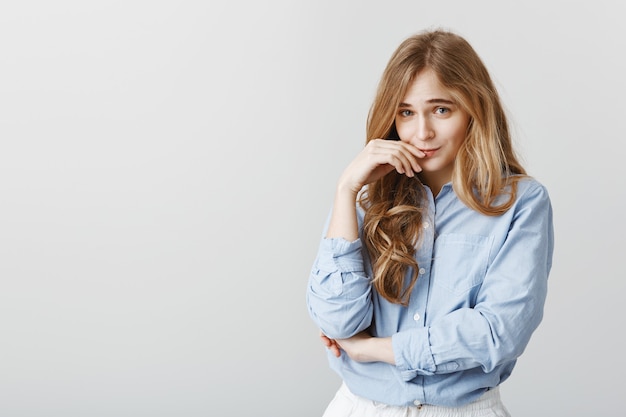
458, 134
404, 131
459, 137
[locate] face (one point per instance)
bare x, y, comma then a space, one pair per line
431, 120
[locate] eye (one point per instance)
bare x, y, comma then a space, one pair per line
442, 110
406, 113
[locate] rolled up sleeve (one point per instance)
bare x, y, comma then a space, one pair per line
412, 353
339, 290
508, 306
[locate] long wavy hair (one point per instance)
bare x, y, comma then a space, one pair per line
485, 167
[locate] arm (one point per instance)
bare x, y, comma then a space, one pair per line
362, 347
508, 306
378, 158
338, 294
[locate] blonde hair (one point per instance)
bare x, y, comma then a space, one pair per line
485, 166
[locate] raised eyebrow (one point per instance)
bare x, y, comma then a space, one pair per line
430, 101
440, 101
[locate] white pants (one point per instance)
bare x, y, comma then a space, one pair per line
346, 404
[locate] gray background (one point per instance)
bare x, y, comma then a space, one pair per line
166, 167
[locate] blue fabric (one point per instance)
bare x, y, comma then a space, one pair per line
479, 296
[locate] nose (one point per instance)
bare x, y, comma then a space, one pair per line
423, 129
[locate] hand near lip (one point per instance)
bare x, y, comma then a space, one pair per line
378, 158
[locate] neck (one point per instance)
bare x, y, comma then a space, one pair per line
434, 182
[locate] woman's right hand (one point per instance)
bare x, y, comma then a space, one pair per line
378, 158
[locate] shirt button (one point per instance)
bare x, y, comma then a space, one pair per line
426, 225
417, 403
416, 317
422, 271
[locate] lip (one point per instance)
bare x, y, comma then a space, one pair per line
429, 152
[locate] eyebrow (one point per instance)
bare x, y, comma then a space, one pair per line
431, 101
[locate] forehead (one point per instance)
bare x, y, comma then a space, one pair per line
426, 86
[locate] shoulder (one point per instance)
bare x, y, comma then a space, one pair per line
532, 199
530, 188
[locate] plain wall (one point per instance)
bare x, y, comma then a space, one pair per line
166, 168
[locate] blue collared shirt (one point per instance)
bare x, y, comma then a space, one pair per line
479, 296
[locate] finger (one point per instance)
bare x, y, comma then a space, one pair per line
403, 156
325, 340
395, 157
410, 164
404, 163
413, 155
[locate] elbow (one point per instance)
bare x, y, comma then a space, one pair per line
340, 304
507, 346
508, 340
347, 329
341, 321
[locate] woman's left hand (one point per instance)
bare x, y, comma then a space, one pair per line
362, 347
331, 344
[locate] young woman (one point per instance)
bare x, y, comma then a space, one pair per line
432, 273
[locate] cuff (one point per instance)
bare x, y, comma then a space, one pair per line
413, 354
338, 254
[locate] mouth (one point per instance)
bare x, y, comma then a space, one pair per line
429, 152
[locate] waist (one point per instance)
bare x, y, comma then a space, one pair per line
381, 382
489, 400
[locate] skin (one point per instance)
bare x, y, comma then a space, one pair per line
432, 128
